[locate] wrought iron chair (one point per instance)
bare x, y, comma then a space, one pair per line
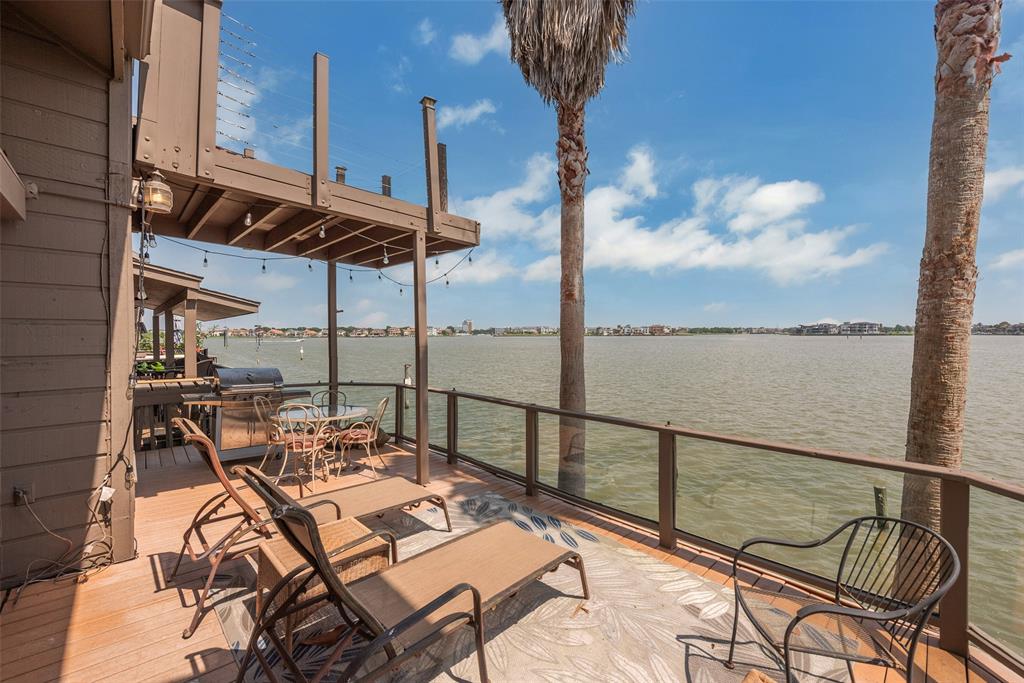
302, 429
332, 450
365, 434
891, 575
323, 398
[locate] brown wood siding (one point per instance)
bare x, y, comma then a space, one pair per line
65, 301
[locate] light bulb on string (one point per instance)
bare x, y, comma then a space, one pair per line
470, 258
152, 240
400, 290
379, 277
310, 265
206, 261
446, 283
323, 232
350, 276
248, 219
264, 265
385, 256
145, 256
437, 263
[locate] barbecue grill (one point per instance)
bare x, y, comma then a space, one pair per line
238, 433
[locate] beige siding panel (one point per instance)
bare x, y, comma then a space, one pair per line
27, 122
45, 267
40, 410
57, 512
33, 55
19, 552
57, 163
62, 233
55, 94
28, 339
59, 478
54, 443
88, 208
39, 302
52, 374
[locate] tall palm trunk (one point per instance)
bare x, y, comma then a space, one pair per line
572, 394
966, 36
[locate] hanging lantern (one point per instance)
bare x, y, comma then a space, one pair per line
156, 194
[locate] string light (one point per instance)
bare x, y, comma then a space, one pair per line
379, 277
385, 256
264, 265
152, 240
145, 256
437, 262
248, 219
350, 276
310, 265
400, 290
446, 283
206, 262
470, 258
323, 232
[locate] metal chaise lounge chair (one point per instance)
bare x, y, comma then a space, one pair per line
891, 575
409, 605
251, 525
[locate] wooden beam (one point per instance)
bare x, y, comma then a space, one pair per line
337, 234
169, 337
321, 195
442, 165
170, 304
156, 336
209, 73
332, 330
294, 226
433, 168
422, 395
211, 202
261, 215
189, 338
379, 248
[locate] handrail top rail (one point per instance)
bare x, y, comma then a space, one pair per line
1006, 489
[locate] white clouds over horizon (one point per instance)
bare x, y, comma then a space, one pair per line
737, 222
1009, 259
470, 49
460, 116
1001, 181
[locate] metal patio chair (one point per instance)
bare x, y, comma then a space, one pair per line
365, 434
303, 432
408, 605
891, 575
275, 438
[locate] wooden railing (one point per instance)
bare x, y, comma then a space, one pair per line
956, 485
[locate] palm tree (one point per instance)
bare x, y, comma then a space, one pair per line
562, 48
966, 36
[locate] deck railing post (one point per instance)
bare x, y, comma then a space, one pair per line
666, 489
453, 428
399, 411
956, 517
532, 447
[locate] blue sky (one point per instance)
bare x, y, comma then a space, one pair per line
751, 163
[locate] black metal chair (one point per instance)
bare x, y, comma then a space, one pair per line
891, 575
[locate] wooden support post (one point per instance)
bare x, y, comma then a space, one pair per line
189, 338
339, 174
953, 611
453, 429
433, 171
399, 412
442, 169
422, 397
206, 140
321, 193
532, 449
332, 331
385, 185
168, 339
667, 490
156, 336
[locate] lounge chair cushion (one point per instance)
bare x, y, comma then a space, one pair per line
498, 560
373, 497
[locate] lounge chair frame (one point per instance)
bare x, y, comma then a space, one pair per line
916, 562
297, 525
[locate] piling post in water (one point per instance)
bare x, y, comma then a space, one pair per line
880, 500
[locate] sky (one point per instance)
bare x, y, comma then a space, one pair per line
759, 163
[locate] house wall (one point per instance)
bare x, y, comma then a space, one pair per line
66, 303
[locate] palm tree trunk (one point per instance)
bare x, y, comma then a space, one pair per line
572, 394
966, 35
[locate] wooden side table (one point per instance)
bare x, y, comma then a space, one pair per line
277, 559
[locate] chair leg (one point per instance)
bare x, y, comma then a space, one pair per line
376, 449
181, 555
729, 664
369, 459
198, 616
481, 658
443, 504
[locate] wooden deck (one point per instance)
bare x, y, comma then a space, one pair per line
125, 623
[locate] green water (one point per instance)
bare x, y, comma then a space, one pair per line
831, 393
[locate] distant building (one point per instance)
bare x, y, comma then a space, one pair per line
660, 330
819, 329
467, 326
860, 328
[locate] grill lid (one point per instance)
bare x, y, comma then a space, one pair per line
240, 378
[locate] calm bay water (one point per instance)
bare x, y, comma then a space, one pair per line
848, 394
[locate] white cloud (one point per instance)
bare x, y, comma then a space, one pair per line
425, 32
737, 223
397, 75
715, 306
375, 319
470, 49
1009, 259
487, 266
460, 116
1001, 181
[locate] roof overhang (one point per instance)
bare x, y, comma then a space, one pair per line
169, 290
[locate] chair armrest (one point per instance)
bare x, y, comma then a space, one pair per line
328, 501
763, 540
838, 610
383, 533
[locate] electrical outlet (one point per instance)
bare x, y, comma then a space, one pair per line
25, 493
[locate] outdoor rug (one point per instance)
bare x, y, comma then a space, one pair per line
646, 620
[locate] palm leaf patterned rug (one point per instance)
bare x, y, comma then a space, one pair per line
646, 620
